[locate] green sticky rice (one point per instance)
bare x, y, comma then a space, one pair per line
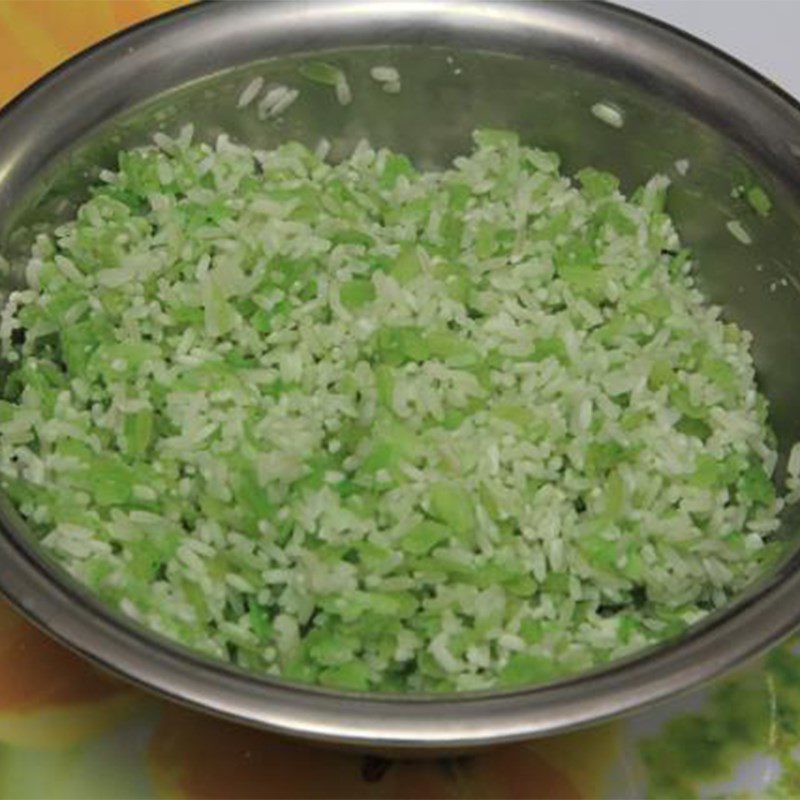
384, 429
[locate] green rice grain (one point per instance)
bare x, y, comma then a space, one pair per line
383, 429
759, 201
320, 72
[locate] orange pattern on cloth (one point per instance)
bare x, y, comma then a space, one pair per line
196, 756
36, 671
37, 35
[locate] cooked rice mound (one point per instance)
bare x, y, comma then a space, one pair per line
382, 429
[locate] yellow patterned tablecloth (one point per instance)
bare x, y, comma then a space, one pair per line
66, 731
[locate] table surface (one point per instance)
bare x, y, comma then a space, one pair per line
762, 33
66, 731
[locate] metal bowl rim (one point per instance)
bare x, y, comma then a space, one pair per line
729, 637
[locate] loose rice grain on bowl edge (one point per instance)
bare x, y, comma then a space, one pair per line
383, 429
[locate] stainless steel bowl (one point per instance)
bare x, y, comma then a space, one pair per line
535, 67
